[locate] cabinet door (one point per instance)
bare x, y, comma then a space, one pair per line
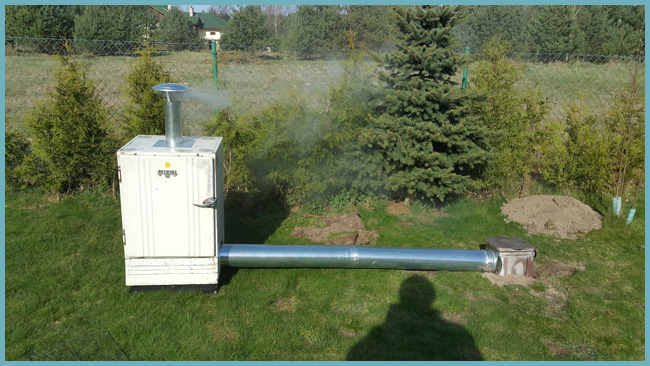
159, 215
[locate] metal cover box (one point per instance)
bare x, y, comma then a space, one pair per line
172, 205
515, 255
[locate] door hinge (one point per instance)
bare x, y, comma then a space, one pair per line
124, 237
119, 174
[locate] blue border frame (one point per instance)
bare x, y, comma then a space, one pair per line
293, 2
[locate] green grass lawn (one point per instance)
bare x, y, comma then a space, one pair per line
64, 279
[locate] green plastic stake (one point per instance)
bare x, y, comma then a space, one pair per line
214, 68
465, 70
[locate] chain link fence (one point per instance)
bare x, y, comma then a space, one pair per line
252, 78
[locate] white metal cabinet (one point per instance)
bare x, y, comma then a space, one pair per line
168, 238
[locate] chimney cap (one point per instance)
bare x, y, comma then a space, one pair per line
171, 92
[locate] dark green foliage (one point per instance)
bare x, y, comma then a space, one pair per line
71, 140
627, 30
596, 27
588, 166
553, 29
511, 113
314, 27
426, 142
176, 27
247, 28
109, 22
369, 25
551, 155
144, 113
240, 137
40, 21
17, 148
585, 29
484, 22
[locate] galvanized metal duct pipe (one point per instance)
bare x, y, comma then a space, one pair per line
321, 256
173, 94
173, 123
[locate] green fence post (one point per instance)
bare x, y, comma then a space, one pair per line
465, 70
214, 68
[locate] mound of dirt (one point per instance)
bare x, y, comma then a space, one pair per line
353, 229
559, 216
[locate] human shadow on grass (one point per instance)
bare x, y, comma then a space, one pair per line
414, 331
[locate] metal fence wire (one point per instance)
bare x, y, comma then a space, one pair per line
99, 346
252, 78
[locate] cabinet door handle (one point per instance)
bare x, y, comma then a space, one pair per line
207, 203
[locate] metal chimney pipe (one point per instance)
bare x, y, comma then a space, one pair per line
173, 94
321, 256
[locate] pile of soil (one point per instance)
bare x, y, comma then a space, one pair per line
349, 225
398, 208
560, 216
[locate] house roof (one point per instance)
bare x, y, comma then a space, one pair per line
205, 20
210, 20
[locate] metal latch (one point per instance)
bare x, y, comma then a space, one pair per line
207, 203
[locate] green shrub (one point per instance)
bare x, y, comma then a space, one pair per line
595, 154
626, 127
71, 141
144, 113
289, 144
294, 152
511, 114
17, 148
240, 136
551, 155
588, 166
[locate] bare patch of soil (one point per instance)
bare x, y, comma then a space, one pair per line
556, 302
540, 272
398, 208
348, 333
556, 269
508, 280
312, 233
562, 350
347, 239
349, 225
343, 223
366, 237
286, 304
560, 216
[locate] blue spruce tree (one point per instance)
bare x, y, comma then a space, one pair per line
426, 142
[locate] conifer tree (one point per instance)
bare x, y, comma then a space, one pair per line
70, 132
144, 113
247, 28
108, 22
176, 27
426, 142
